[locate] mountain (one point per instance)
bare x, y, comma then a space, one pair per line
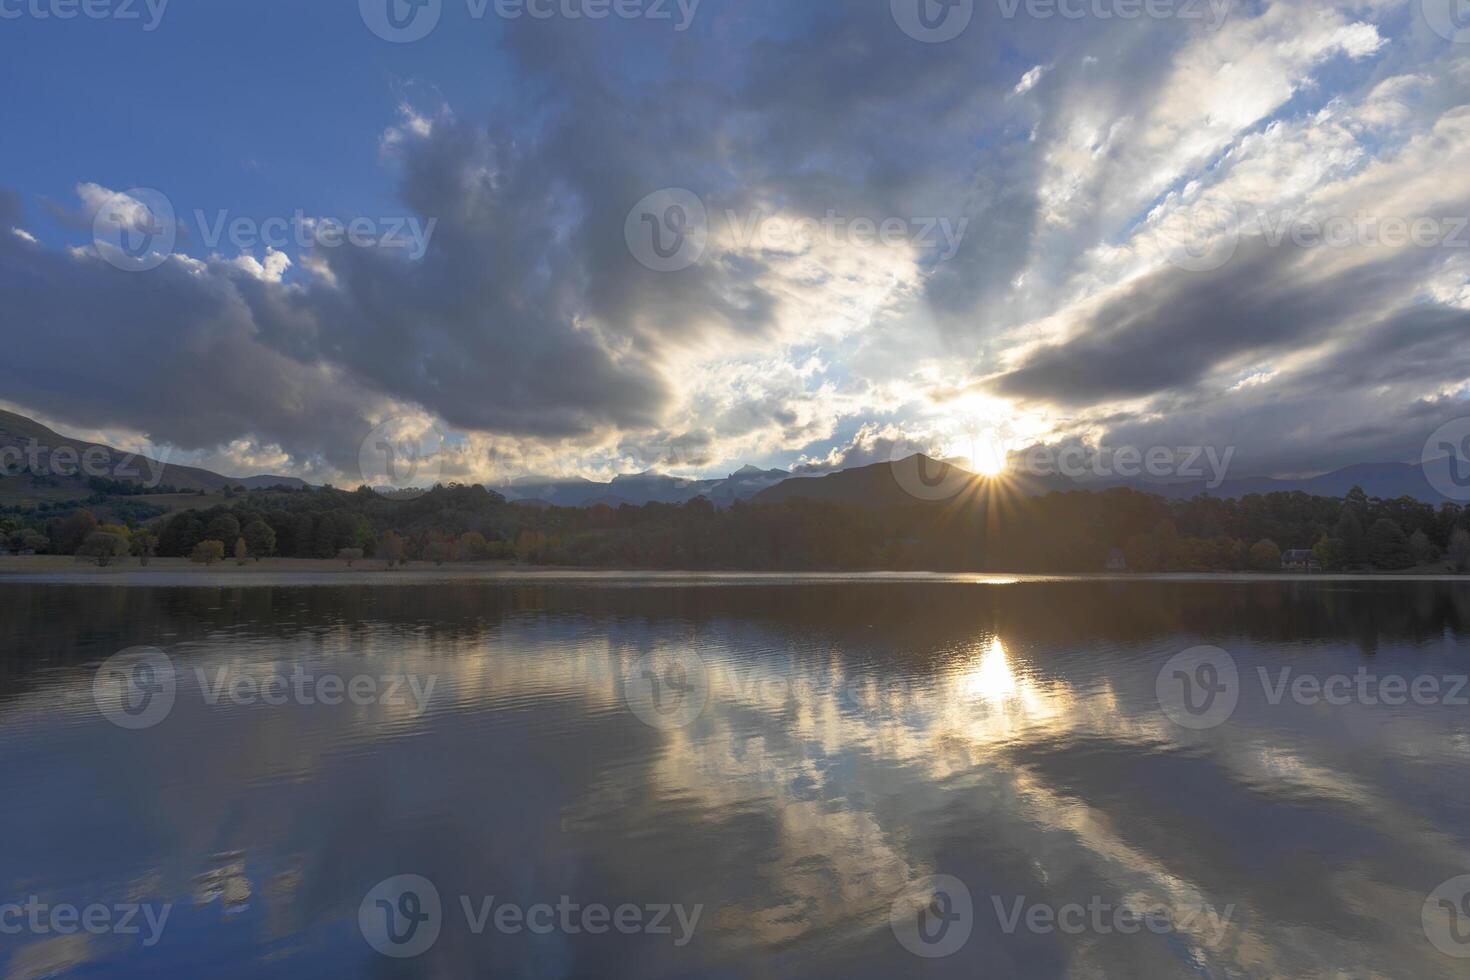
551, 492
656, 488
904, 482
920, 478
24, 441
744, 484
1386, 480
638, 489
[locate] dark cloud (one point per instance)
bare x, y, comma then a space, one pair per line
528, 317
1171, 329
172, 353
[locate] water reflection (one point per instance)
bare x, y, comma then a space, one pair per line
853, 739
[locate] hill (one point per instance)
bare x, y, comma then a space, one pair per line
917, 479
34, 458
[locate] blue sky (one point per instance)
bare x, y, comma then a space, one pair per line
1130, 200
260, 107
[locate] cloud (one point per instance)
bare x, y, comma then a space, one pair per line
1030, 79
530, 330
872, 443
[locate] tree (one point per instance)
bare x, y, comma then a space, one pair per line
121, 530
180, 535
29, 540
242, 551
303, 536
1329, 553
1422, 548
1266, 556
144, 545
529, 545
439, 550
1445, 521
222, 528
1388, 546
350, 555
208, 552
72, 532
473, 547
1459, 551
103, 547
391, 548
260, 538
1354, 541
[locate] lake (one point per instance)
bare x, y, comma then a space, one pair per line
601, 776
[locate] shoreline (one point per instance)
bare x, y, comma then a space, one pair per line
61, 570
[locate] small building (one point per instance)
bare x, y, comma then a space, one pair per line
1300, 560
1116, 561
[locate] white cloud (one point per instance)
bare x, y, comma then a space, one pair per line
1030, 79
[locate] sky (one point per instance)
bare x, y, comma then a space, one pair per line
590, 237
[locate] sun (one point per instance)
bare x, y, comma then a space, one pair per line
987, 454
988, 459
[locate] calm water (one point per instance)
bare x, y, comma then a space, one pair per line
789, 764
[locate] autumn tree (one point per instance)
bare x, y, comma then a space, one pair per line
473, 547
529, 545
103, 547
144, 545
391, 548
1266, 556
208, 552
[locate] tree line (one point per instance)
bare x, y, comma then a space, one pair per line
1076, 531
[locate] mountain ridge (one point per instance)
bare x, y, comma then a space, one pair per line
20, 435
913, 479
